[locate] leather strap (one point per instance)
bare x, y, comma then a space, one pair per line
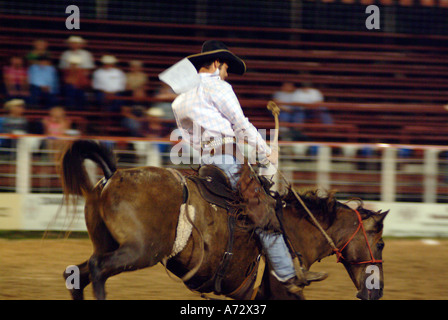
279, 213
222, 269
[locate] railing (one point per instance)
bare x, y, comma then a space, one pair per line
379, 172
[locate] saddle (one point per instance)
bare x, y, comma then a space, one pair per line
214, 186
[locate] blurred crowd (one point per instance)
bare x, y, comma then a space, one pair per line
75, 83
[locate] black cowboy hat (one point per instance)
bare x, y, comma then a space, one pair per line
216, 50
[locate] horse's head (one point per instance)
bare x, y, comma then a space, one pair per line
355, 236
260, 206
360, 247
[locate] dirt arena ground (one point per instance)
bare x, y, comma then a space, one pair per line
32, 269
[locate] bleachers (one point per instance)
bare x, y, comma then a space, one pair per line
379, 87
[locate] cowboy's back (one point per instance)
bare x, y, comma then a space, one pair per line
214, 109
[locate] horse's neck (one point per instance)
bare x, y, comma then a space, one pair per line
306, 238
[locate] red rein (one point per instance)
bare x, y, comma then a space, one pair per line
338, 252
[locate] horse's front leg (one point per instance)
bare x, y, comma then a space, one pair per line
76, 286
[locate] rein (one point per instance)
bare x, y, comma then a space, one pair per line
272, 106
337, 251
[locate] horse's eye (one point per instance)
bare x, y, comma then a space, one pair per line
380, 245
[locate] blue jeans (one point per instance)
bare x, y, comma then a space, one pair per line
295, 116
37, 94
300, 115
273, 243
75, 98
112, 105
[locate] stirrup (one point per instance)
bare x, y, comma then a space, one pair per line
292, 286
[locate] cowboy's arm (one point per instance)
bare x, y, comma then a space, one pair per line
230, 107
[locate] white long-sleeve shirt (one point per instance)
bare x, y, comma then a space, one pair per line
109, 80
87, 61
213, 107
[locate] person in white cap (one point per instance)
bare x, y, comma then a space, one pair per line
109, 82
76, 82
76, 48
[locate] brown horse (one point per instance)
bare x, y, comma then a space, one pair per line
133, 218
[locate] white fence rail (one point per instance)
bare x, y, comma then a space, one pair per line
391, 173
412, 181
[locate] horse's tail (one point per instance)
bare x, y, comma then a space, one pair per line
74, 176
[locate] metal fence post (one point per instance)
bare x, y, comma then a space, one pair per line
23, 166
430, 176
323, 167
154, 157
388, 175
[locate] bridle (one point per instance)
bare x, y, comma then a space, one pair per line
338, 252
272, 106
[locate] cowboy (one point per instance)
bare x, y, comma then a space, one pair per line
213, 106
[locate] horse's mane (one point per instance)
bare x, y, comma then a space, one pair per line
323, 205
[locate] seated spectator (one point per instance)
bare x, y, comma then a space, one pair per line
16, 79
289, 113
136, 81
307, 94
165, 93
286, 94
44, 83
13, 123
155, 122
76, 49
156, 128
76, 81
134, 120
56, 125
109, 83
299, 114
40, 48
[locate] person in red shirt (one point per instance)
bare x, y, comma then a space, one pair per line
15, 78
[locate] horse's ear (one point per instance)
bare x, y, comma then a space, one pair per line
379, 216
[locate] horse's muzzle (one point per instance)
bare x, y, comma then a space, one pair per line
369, 294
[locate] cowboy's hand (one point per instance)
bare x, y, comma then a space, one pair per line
273, 157
269, 170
